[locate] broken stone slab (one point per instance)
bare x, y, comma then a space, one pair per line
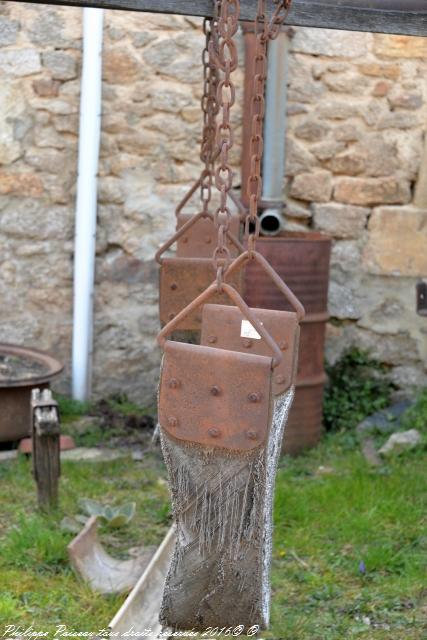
93, 454
385, 421
401, 441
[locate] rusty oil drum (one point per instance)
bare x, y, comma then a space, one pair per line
302, 260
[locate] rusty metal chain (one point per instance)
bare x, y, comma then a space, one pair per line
210, 110
265, 30
225, 59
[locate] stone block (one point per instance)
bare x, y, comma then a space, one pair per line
390, 46
397, 242
406, 100
345, 82
372, 191
298, 158
311, 130
337, 109
327, 42
8, 31
340, 221
380, 155
23, 185
31, 219
61, 65
47, 28
348, 132
350, 163
120, 66
397, 120
327, 149
377, 70
312, 187
381, 89
46, 88
20, 62
49, 160
12, 106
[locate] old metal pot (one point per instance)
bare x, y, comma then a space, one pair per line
15, 391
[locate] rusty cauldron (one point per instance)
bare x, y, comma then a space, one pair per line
302, 260
21, 370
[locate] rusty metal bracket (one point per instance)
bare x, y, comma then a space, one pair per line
243, 212
215, 397
235, 298
268, 269
226, 328
185, 228
199, 242
182, 280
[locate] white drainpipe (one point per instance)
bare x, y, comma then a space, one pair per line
86, 205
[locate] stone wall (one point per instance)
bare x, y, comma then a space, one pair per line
357, 108
357, 116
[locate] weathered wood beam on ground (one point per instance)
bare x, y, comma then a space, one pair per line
382, 16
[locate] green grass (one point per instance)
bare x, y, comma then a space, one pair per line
327, 524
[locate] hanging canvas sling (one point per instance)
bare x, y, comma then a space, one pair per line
215, 416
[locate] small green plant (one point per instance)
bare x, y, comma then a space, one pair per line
416, 416
120, 403
357, 387
68, 407
114, 517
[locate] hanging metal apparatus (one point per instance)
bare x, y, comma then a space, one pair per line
222, 410
199, 241
185, 276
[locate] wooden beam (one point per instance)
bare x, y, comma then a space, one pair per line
384, 16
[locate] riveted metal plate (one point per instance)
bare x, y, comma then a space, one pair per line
215, 397
225, 328
201, 239
181, 281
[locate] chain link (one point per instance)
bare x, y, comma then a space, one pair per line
265, 30
225, 59
209, 105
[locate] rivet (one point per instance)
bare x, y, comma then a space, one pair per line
171, 316
174, 286
283, 345
214, 433
251, 435
212, 339
215, 391
173, 383
185, 239
172, 422
247, 343
280, 379
208, 240
254, 397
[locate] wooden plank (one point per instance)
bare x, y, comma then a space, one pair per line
382, 16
